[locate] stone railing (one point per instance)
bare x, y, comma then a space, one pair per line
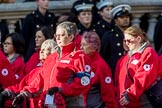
13, 12
16, 11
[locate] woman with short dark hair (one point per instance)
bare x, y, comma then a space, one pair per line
13, 48
41, 35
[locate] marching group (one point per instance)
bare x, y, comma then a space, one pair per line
90, 58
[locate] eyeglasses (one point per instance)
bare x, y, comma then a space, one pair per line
128, 40
59, 35
7, 43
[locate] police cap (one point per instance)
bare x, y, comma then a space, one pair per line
103, 3
120, 10
83, 7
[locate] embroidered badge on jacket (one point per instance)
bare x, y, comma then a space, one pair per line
107, 80
4, 72
92, 74
87, 68
17, 76
65, 61
85, 80
135, 62
146, 67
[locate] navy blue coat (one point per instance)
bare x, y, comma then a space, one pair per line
112, 47
32, 22
3, 30
158, 35
83, 29
102, 27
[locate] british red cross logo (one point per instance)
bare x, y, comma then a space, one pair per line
146, 67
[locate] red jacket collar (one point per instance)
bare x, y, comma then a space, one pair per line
68, 49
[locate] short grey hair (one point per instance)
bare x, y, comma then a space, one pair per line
51, 45
70, 27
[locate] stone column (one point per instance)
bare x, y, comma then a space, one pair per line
11, 25
136, 20
151, 28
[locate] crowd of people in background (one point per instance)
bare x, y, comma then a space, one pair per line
91, 57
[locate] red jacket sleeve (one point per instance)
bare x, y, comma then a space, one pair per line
117, 77
25, 81
18, 69
81, 63
36, 84
32, 63
7, 78
106, 83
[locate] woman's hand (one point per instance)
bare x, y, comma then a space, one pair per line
52, 90
124, 100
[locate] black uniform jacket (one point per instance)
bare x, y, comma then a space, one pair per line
112, 47
158, 35
32, 22
83, 29
103, 26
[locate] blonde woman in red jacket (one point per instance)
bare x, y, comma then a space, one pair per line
136, 71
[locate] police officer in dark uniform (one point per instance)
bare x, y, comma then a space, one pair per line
3, 30
158, 35
33, 21
95, 15
106, 23
84, 17
112, 41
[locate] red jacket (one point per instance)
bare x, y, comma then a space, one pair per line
25, 82
18, 66
143, 68
78, 41
101, 79
32, 63
7, 77
57, 72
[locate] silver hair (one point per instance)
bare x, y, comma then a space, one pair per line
70, 27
